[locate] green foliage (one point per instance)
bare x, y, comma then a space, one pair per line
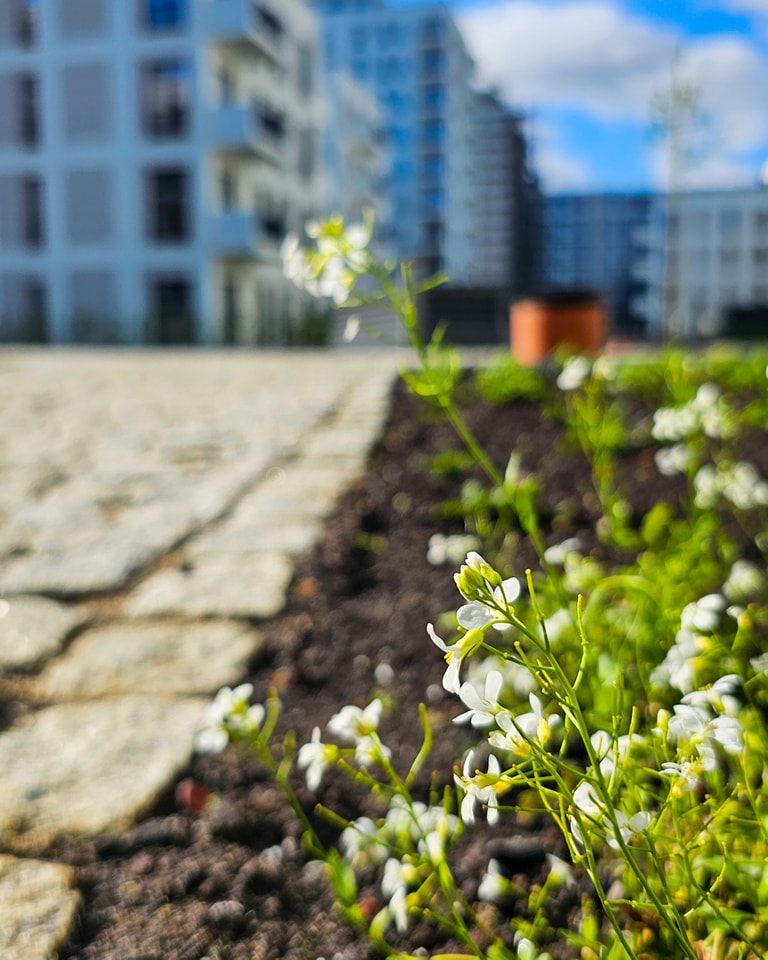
507, 380
625, 693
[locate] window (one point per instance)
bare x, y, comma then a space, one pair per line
87, 100
25, 308
434, 96
83, 18
24, 23
306, 153
306, 65
165, 96
432, 31
271, 24
171, 318
433, 64
272, 123
32, 222
229, 299
228, 191
29, 132
761, 224
730, 223
164, 14
168, 211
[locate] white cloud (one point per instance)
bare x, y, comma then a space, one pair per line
559, 171
594, 57
748, 6
587, 54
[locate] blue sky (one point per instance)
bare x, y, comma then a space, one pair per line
584, 73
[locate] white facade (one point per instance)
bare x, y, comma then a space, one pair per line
701, 255
354, 156
153, 154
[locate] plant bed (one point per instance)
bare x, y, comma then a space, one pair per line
219, 871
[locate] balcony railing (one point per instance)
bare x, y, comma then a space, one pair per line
241, 235
242, 22
241, 128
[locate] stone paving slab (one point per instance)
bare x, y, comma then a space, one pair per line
38, 907
33, 629
164, 658
166, 496
78, 769
216, 585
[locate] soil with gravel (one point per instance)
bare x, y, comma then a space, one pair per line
218, 870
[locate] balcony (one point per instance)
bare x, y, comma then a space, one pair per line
240, 128
242, 23
240, 235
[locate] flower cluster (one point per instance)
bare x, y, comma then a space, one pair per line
352, 725
336, 262
738, 483
229, 716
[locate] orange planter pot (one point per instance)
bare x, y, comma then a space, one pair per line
539, 325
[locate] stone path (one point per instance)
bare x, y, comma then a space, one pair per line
151, 509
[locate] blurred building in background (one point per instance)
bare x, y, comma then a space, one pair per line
415, 63
703, 260
590, 242
458, 174
506, 199
355, 157
153, 154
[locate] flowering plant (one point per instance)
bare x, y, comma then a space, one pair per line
619, 690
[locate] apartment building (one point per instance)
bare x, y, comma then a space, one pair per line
589, 241
703, 257
153, 153
415, 63
506, 199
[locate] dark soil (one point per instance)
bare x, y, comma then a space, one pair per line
227, 878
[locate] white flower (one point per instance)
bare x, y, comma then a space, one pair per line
629, 827
686, 776
720, 696
229, 710
673, 460
704, 614
674, 423
351, 328
482, 710
493, 887
371, 750
479, 613
449, 549
574, 373
455, 654
556, 554
687, 723
316, 757
517, 732
353, 725
558, 624
479, 789
397, 878
744, 580
360, 842
562, 870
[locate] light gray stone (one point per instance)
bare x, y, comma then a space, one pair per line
34, 629
291, 535
178, 658
216, 585
38, 906
81, 768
